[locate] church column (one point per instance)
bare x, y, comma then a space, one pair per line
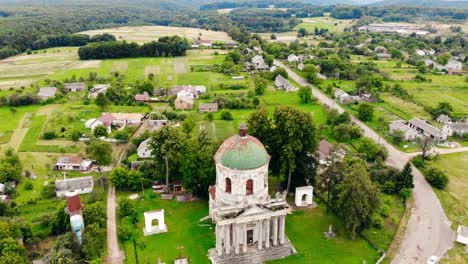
282, 229
227, 239
260, 234
219, 238
275, 230
267, 233
237, 238
244, 235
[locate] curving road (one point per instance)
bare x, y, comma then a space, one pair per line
428, 231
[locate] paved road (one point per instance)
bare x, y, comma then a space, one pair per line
441, 151
428, 231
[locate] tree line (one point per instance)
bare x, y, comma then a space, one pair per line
164, 47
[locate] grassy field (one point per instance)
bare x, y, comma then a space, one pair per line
454, 198
330, 23
23, 70
142, 34
304, 229
11, 118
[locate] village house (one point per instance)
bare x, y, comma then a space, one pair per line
97, 89
419, 52
75, 87
423, 128
338, 93
454, 67
208, 107
144, 97
367, 97
259, 63
383, 55
82, 184
380, 49
455, 129
182, 103
444, 119
350, 99
300, 66
73, 164
409, 134
283, 84
293, 58
144, 149
47, 92
324, 151
188, 91
202, 43
115, 119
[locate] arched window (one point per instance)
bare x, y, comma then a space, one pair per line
228, 185
249, 187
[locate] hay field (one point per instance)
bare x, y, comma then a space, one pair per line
142, 34
330, 23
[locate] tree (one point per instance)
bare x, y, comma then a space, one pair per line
365, 112
371, 150
443, 108
310, 74
343, 132
332, 177
443, 58
168, 144
100, 131
302, 32
261, 126
358, 199
295, 134
102, 101
123, 178
100, 151
397, 136
405, 178
425, 143
197, 166
126, 208
305, 94
273, 37
188, 125
10, 167
226, 115
260, 85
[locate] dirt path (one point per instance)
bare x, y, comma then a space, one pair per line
428, 231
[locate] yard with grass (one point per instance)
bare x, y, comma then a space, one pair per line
454, 198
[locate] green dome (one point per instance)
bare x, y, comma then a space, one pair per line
242, 153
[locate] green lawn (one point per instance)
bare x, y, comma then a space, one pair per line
454, 198
330, 23
184, 229
305, 230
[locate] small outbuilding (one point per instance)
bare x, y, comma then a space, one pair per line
462, 235
304, 196
208, 108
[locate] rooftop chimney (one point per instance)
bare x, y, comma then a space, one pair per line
242, 130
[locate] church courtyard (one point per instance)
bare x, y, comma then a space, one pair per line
304, 228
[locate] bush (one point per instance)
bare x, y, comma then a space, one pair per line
226, 115
49, 135
384, 210
418, 162
389, 187
436, 177
48, 191
405, 193
377, 221
28, 185
100, 131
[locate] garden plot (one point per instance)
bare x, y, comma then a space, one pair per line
180, 65
86, 64
152, 69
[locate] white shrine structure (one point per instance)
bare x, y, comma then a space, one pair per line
304, 196
250, 225
161, 227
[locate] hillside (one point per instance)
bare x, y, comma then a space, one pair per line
428, 3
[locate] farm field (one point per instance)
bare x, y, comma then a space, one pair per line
142, 34
454, 198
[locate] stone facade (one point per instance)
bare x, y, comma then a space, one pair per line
248, 221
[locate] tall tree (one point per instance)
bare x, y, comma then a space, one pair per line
305, 94
405, 178
100, 151
295, 134
168, 145
425, 143
102, 101
358, 199
365, 112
